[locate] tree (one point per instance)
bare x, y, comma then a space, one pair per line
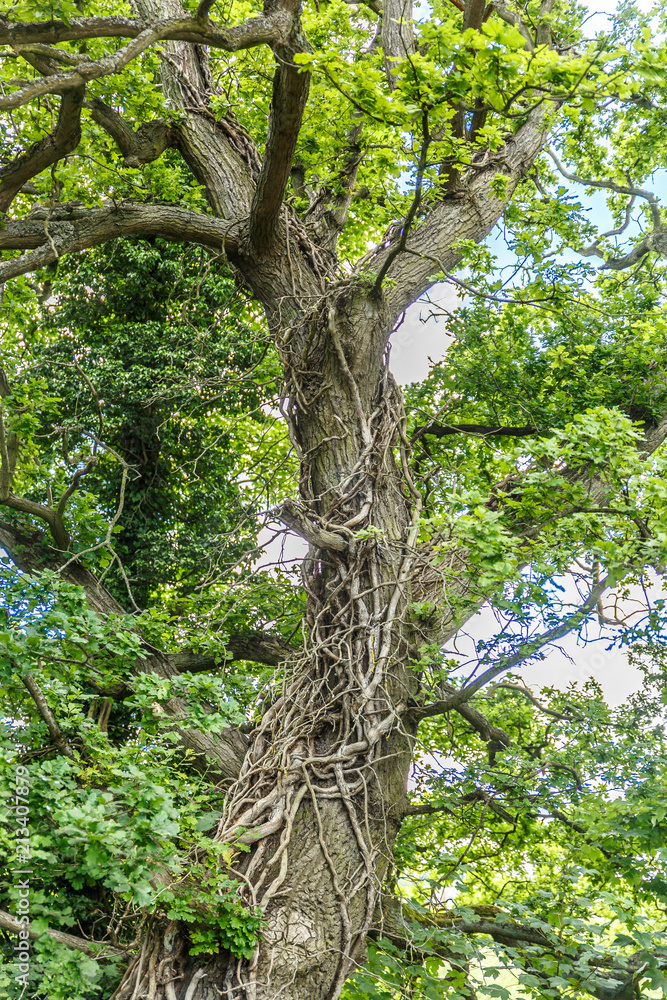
219, 212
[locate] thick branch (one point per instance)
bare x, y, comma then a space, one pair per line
479, 722
43, 513
473, 14
444, 430
655, 241
652, 438
297, 518
31, 553
468, 213
64, 138
92, 948
256, 31
479, 795
330, 209
290, 93
84, 72
397, 35
426, 809
9, 446
144, 145
83, 229
399, 917
509, 17
257, 647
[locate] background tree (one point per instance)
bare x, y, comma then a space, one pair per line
226, 220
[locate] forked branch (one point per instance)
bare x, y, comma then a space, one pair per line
257, 31
468, 214
655, 241
263, 30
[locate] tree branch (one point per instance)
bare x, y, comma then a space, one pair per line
55, 732
509, 17
9, 447
444, 430
144, 145
611, 186
63, 140
467, 213
479, 722
92, 948
84, 72
603, 978
426, 809
397, 35
290, 93
428, 583
297, 518
52, 55
479, 795
255, 646
263, 30
527, 693
528, 650
655, 241
257, 31
329, 209
31, 553
38, 510
72, 229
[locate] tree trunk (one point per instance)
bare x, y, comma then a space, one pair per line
323, 788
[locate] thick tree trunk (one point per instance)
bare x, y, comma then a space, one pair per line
323, 788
